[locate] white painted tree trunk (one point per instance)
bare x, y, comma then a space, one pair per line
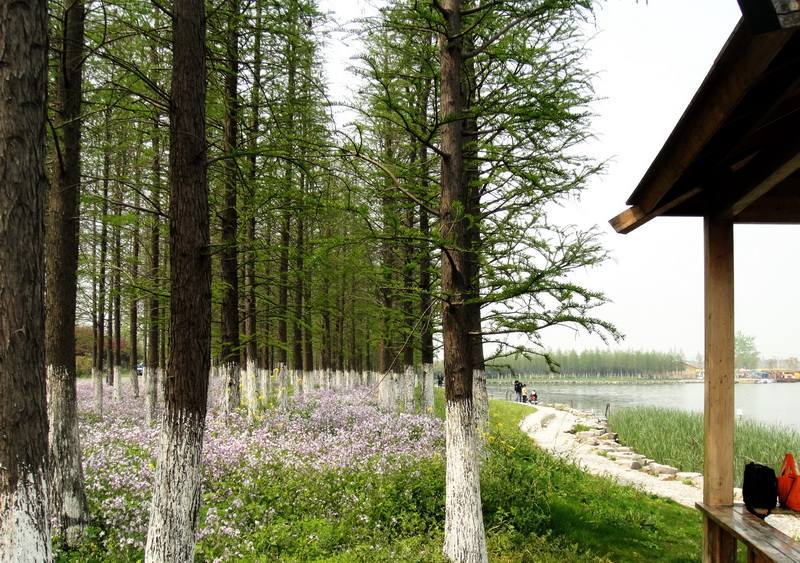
464, 537
251, 385
397, 392
152, 376
263, 379
97, 377
209, 392
480, 396
408, 389
117, 383
23, 510
283, 388
134, 381
233, 396
67, 497
176, 493
427, 388
385, 396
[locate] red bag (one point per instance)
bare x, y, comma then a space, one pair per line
789, 484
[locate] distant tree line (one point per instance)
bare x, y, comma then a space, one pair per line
592, 363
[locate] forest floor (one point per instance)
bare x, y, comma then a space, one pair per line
552, 430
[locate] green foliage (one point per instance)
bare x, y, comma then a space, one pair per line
675, 437
746, 353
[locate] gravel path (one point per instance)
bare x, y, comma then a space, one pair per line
550, 429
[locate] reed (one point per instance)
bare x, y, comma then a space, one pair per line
675, 437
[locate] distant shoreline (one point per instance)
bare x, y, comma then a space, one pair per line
616, 381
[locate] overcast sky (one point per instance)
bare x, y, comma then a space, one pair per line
649, 59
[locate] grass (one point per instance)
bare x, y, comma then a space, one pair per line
579, 516
675, 437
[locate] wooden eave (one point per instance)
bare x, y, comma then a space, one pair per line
736, 149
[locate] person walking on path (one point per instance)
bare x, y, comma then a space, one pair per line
518, 391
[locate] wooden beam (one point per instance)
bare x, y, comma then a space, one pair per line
718, 419
742, 60
634, 217
780, 171
779, 206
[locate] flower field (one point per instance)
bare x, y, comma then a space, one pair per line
305, 470
333, 478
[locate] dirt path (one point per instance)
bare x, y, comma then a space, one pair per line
550, 429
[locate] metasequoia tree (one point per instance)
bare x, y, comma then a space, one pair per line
67, 496
229, 355
152, 370
24, 515
176, 492
464, 537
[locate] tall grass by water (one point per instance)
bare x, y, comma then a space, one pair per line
675, 437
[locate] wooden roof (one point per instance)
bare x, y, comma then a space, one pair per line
736, 149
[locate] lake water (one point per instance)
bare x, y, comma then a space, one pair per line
775, 403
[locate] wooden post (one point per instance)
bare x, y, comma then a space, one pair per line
718, 546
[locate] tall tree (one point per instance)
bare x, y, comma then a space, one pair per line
250, 263
67, 496
464, 538
747, 355
289, 178
152, 373
24, 518
176, 495
116, 278
230, 217
100, 342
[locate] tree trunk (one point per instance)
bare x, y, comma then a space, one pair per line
176, 493
97, 377
251, 313
24, 519
327, 337
465, 540
297, 356
308, 340
110, 333
117, 280
409, 263
472, 183
133, 346
230, 219
386, 346
67, 496
100, 343
283, 282
152, 369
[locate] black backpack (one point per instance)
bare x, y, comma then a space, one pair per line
759, 489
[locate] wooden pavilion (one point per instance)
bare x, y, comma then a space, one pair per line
734, 157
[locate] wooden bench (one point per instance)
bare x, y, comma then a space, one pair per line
764, 543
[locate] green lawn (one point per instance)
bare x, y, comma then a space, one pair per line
599, 515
